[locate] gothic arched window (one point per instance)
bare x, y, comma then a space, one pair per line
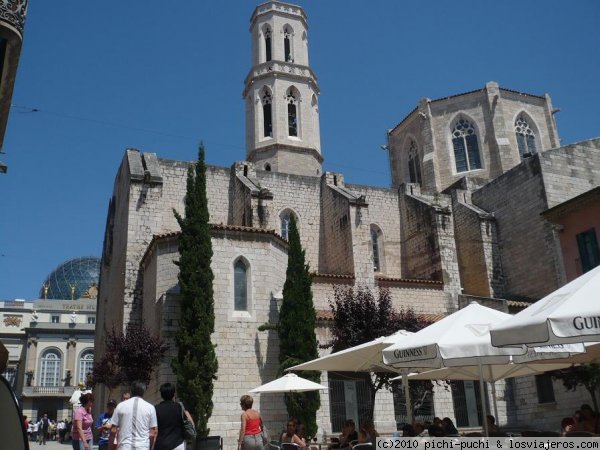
466, 146
525, 137
240, 286
86, 364
268, 44
285, 224
287, 44
267, 113
376, 243
292, 101
414, 166
50, 368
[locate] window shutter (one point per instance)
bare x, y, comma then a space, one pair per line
588, 250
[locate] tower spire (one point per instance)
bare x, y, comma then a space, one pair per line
281, 93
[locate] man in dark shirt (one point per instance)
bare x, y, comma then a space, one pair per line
170, 421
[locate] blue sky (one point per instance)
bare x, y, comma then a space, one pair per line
161, 76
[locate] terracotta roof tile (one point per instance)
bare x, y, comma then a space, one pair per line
408, 280
213, 227
517, 304
327, 316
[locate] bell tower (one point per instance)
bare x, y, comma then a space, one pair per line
281, 93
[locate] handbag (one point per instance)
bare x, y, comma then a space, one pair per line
264, 433
189, 430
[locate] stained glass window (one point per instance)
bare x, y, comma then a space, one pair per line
466, 146
525, 137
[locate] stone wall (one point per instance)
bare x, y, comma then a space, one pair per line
570, 170
477, 248
492, 110
420, 254
525, 239
383, 213
336, 230
528, 413
300, 195
247, 357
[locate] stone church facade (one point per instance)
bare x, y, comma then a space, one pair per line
471, 174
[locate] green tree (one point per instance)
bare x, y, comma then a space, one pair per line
360, 317
196, 362
296, 330
587, 375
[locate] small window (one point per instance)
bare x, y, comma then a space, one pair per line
91, 320
285, 225
525, 137
268, 44
268, 167
466, 146
55, 318
376, 243
240, 286
287, 45
267, 113
545, 390
589, 253
292, 114
414, 166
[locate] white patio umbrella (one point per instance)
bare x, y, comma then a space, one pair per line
491, 373
288, 383
569, 314
365, 357
460, 339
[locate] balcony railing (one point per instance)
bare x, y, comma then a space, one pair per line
48, 391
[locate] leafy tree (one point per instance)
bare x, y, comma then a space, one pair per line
296, 330
587, 375
196, 362
130, 356
359, 317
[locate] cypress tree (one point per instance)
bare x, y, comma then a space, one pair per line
296, 329
196, 362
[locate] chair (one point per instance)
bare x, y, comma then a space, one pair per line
498, 434
289, 446
274, 445
580, 434
363, 446
474, 434
530, 433
353, 442
209, 443
549, 434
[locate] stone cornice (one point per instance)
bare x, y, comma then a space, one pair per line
286, 147
280, 69
281, 8
217, 230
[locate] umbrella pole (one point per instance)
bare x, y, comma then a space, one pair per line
409, 411
486, 431
495, 402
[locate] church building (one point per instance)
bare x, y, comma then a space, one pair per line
471, 175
